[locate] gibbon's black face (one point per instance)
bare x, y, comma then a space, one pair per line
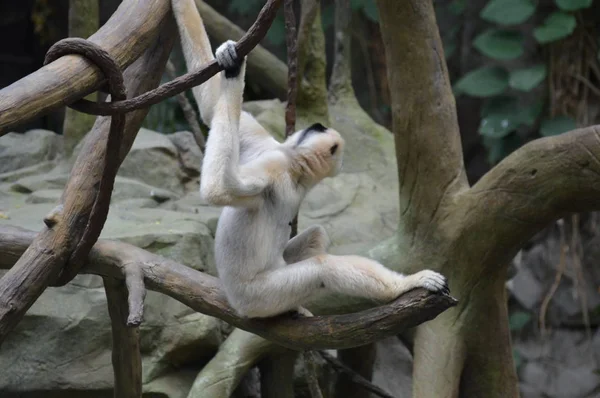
324, 142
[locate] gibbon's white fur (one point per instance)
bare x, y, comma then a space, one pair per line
261, 183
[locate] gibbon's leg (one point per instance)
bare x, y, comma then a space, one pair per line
287, 288
308, 243
197, 53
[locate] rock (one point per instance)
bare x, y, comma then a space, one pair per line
18, 151
63, 343
562, 366
190, 158
269, 113
190, 154
153, 159
393, 367
183, 237
192, 203
537, 267
124, 188
45, 196
14, 175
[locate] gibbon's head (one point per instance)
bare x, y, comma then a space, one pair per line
318, 151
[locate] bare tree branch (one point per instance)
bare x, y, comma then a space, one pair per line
71, 78
204, 294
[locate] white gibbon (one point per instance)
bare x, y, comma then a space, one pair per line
261, 183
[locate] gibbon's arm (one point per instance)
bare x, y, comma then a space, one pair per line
197, 53
224, 181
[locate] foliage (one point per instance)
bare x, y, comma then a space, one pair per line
508, 12
512, 107
483, 82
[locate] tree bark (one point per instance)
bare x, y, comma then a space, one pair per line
83, 22
73, 77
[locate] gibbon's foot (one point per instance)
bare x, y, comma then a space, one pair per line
431, 281
300, 312
227, 58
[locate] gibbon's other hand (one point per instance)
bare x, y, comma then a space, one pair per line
227, 58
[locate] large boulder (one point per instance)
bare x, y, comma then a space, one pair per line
29, 149
537, 268
154, 159
563, 365
63, 344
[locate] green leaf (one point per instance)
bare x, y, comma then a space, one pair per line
556, 26
499, 44
558, 125
518, 320
527, 79
483, 82
499, 117
508, 12
370, 10
572, 5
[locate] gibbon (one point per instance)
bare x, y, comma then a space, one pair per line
262, 183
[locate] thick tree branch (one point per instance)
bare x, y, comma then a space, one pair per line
538, 183
42, 262
72, 77
430, 163
203, 293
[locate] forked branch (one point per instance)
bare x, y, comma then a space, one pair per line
203, 293
538, 183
